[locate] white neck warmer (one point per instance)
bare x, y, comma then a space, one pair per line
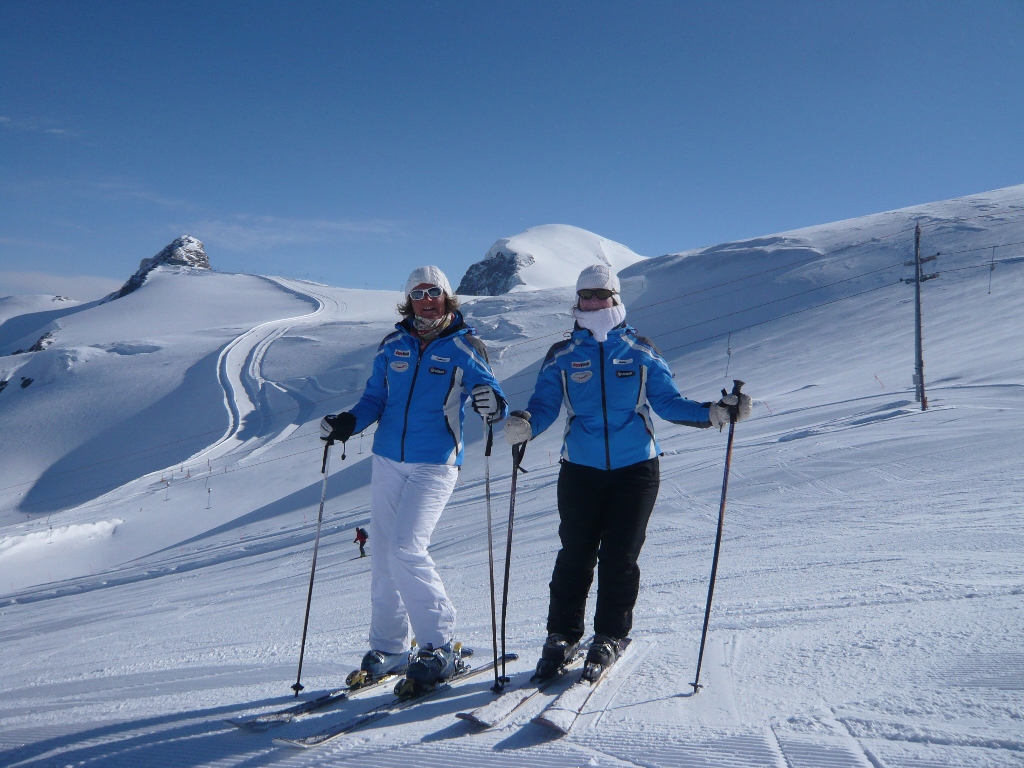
600, 321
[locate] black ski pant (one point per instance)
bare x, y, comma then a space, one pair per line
603, 518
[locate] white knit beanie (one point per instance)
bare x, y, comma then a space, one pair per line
597, 276
431, 276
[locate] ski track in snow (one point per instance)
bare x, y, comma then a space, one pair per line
868, 611
240, 362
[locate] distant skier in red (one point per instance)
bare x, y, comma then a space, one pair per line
360, 539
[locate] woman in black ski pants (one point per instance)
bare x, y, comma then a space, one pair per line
608, 378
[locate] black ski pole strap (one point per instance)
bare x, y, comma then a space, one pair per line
327, 447
490, 439
734, 410
518, 451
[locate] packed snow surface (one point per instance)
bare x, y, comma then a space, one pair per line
160, 481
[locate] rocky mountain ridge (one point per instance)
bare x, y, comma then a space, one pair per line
184, 251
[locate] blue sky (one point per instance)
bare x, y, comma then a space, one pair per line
354, 141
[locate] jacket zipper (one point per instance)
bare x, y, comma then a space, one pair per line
604, 409
405, 425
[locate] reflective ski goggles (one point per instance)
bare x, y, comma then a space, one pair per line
595, 293
419, 293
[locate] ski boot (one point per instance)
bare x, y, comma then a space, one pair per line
558, 651
431, 667
604, 651
377, 665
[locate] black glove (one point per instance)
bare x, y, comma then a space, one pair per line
338, 427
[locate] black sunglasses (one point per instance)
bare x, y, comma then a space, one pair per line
595, 293
419, 293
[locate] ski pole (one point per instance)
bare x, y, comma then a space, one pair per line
518, 451
733, 413
488, 442
324, 468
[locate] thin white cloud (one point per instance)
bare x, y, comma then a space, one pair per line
20, 242
51, 127
81, 287
123, 189
244, 233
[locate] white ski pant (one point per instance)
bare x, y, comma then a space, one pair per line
407, 595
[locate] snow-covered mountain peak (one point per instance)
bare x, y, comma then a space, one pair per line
548, 256
184, 251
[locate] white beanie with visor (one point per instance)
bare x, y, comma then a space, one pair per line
430, 275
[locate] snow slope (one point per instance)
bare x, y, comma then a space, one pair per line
135, 380
14, 306
868, 610
548, 256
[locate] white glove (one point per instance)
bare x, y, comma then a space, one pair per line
517, 428
485, 401
719, 412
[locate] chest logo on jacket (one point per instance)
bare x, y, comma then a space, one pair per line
617, 361
403, 353
580, 363
625, 374
440, 359
438, 371
581, 376
399, 365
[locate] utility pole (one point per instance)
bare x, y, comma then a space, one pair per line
919, 278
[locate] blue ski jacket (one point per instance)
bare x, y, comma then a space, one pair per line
608, 389
419, 397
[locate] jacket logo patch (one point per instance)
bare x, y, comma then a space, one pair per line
438, 371
403, 353
440, 359
399, 365
581, 376
627, 361
580, 363
625, 374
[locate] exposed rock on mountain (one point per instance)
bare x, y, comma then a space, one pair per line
496, 274
548, 256
185, 251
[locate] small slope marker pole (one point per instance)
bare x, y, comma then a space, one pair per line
325, 469
991, 269
733, 413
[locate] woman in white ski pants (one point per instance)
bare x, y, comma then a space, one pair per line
406, 503
423, 374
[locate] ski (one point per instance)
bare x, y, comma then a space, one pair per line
561, 714
270, 720
397, 704
510, 700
